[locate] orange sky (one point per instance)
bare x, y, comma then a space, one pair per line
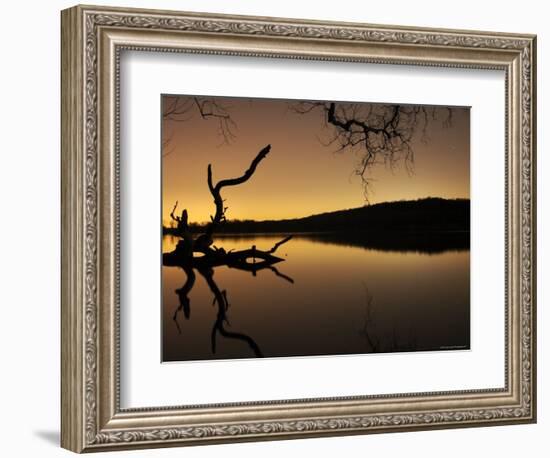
300, 176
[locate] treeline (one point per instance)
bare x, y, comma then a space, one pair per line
422, 215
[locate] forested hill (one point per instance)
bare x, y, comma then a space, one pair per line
423, 215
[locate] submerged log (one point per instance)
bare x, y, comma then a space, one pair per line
242, 259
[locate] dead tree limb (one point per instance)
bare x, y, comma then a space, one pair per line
278, 244
215, 190
182, 222
183, 255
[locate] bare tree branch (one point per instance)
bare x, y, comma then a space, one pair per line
245, 260
382, 133
215, 190
278, 244
183, 108
213, 256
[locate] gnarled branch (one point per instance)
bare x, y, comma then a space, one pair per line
382, 133
215, 190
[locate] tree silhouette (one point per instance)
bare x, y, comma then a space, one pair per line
204, 243
199, 253
180, 109
382, 133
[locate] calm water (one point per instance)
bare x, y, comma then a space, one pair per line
330, 298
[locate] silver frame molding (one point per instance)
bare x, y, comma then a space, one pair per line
92, 40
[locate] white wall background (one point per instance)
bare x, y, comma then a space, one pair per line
29, 239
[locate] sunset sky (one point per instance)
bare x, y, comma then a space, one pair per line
300, 176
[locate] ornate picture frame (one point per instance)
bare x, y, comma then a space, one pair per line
93, 39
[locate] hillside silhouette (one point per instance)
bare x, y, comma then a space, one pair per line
411, 216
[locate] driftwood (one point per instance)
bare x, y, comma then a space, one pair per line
199, 253
186, 253
250, 259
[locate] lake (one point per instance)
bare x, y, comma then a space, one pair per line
330, 296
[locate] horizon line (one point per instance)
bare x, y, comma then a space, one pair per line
334, 211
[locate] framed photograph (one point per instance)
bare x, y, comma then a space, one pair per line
278, 228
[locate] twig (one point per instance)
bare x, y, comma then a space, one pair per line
278, 244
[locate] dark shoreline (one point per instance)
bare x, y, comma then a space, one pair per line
427, 242
428, 225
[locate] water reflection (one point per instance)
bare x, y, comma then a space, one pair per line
379, 341
220, 297
333, 295
222, 302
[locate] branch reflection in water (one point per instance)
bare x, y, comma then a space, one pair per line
378, 341
221, 300
332, 297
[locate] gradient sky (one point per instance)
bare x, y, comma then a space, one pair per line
300, 176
